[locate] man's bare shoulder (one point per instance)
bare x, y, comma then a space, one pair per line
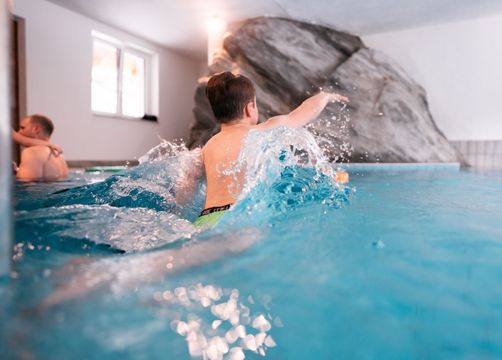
38, 151
32, 160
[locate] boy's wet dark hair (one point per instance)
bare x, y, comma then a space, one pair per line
228, 95
44, 122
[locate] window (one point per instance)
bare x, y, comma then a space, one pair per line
121, 79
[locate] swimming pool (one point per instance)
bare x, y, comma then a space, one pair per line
397, 265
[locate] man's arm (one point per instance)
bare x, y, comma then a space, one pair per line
30, 168
27, 141
309, 110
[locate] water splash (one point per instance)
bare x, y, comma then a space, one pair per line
163, 151
121, 274
280, 175
332, 130
216, 323
154, 203
126, 229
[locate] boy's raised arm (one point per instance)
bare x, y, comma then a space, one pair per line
309, 110
27, 141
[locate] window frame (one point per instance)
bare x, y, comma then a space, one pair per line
122, 49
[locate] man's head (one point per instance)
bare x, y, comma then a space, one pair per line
232, 97
36, 126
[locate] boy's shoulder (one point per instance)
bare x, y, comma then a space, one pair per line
213, 141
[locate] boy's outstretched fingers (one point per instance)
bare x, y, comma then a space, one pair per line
341, 98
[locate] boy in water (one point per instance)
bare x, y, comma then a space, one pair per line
233, 100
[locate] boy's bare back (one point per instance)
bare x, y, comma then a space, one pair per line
224, 178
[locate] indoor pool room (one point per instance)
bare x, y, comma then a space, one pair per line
230, 180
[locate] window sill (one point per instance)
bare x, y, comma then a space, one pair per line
124, 117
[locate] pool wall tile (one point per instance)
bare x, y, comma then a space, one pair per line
497, 148
483, 154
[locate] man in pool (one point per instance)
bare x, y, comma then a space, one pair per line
39, 162
233, 101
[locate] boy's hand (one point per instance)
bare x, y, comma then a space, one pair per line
56, 149
338, 97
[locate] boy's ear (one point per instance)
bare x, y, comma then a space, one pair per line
248, 109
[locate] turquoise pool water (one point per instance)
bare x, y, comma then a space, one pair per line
396, 265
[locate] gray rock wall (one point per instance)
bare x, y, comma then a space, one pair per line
289, 60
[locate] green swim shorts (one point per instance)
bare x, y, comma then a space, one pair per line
210, 216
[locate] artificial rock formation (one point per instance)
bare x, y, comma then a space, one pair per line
288, 60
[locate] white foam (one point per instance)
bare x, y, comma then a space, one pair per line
236, 353
167, 295
240, 331
182, 328
226, 311
216, 348
278, 322
260, 338
212, 342
231, 336
269, 341
215, 324
197, 343
193, 325
261, 324
249, 342
204, 301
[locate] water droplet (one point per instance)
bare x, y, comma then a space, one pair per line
379, 244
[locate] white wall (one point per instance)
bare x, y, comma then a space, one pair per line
58, 71
460, 66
